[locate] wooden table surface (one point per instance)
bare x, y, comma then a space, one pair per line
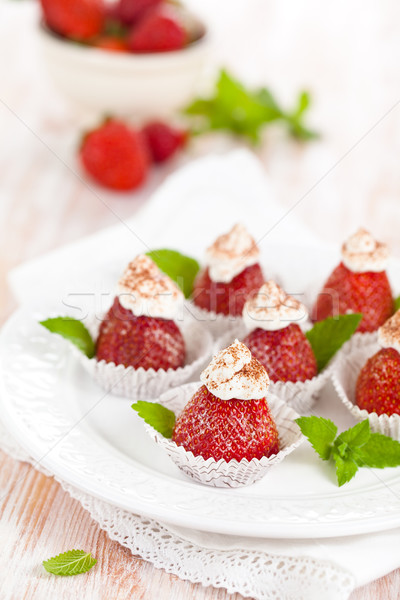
43, 204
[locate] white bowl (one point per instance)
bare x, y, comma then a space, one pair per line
119, 83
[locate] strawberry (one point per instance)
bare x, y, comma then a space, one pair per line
132, 11
378, 384
158, 31
110, 42
115, 155
226, 429
285, 353
227, 298
163, 140
345, 291
76, 19
147, 342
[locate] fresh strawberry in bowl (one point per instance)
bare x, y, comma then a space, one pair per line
226, 432
367, 378
140, 57
79, 20
142, 346
359, 284
232, 273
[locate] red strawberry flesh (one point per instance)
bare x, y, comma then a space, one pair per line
115, 156
367, 293
286, 353
378, 384
147, 342
227, 298
226, 429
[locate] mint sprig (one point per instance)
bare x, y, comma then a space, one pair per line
180, 268
160, 418
245, 112
356, 447
329, 335
73, 562
72, 330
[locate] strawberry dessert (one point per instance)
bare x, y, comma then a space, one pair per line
232, 273
378, 384
275, 337
228, 417
115, 155
139, 329
359, 284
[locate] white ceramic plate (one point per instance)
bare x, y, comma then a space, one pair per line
97, 443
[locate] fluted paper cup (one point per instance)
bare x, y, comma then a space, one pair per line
144, 384
222, 473
352, 358
299, 395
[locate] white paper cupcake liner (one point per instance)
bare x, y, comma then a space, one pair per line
216, 324
300, 395
353, 357
142, 384
221, 473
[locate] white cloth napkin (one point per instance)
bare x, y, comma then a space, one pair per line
191, 208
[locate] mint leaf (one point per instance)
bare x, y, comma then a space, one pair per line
180, 268
72, 330
73, 562
160, 418
345, 469
326, 337
396, 304
244, 112
320, 433
356, 436
379, 452
356, 447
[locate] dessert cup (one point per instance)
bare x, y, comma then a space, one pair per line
351, 360
221, 473
143, 384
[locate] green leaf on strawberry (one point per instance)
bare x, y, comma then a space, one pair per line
72, 330
244, 112
397, 303
157, 416
356, 447
329, 335
180, 268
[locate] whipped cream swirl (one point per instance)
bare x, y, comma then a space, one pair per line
362, 253
146, 291
389, 333
271, 309
231, 253
234, 373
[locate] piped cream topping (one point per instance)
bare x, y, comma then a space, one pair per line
145, 290
235, 373
231, 253
362, 253
389, 333
271, 309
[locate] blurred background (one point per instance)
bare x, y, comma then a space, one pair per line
346, 55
